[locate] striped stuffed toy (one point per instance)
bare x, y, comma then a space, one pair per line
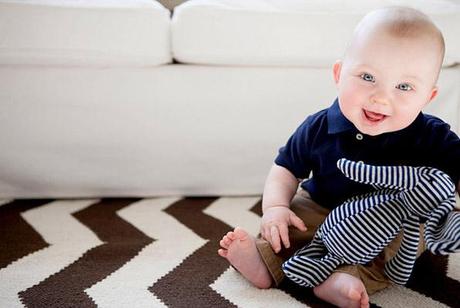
357, 231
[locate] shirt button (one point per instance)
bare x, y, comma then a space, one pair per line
359, 136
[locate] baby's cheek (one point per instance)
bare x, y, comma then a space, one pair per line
353, 96
354, 89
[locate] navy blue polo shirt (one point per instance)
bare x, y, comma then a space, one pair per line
326, 136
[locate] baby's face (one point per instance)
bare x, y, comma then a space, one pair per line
384, 81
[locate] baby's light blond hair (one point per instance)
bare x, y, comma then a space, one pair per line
403, 22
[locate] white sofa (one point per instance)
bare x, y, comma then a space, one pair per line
118, 98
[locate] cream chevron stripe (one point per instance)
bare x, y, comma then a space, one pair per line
4, 201
235, 211
128, 285
453, 269
236, 289
68, 240
401, 297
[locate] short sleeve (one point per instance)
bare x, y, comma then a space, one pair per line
295, 155
446, 146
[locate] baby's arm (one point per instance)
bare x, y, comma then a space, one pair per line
280, 187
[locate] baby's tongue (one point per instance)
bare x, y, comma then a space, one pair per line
373, 116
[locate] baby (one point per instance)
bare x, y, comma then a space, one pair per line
387, 76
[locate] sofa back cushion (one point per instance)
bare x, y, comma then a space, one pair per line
84, 32
287, 32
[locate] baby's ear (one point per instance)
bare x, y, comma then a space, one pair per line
336, 69
433, 94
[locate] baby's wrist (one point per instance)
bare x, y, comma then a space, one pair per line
268, 207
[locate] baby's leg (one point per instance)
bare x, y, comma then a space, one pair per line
239, 248
343, 290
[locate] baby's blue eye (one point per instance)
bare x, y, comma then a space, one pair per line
367, 77
404, 87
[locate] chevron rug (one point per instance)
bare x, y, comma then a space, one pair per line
160, 252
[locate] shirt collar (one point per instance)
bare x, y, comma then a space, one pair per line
336, 121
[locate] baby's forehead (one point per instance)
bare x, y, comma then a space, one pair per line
405, 25
394, 56
400, 22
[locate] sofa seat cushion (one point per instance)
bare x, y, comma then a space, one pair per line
287, 32
84, 32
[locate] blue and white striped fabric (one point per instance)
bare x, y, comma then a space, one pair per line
358, 230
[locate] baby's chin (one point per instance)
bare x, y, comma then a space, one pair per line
372, 132
377, 130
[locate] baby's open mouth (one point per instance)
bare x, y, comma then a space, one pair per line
374, 116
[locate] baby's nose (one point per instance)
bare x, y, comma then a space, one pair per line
380, 97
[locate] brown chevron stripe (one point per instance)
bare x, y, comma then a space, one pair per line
122, 243
429, 278
188, 284
17, 237
257, 208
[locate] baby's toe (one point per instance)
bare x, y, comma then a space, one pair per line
222, 252
225, 242
231, 235
365, 300
240, 233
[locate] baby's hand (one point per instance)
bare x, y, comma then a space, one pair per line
275, 223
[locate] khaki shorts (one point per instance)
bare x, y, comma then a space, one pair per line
371, 274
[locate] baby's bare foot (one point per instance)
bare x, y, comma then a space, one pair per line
343, 290
239, 248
